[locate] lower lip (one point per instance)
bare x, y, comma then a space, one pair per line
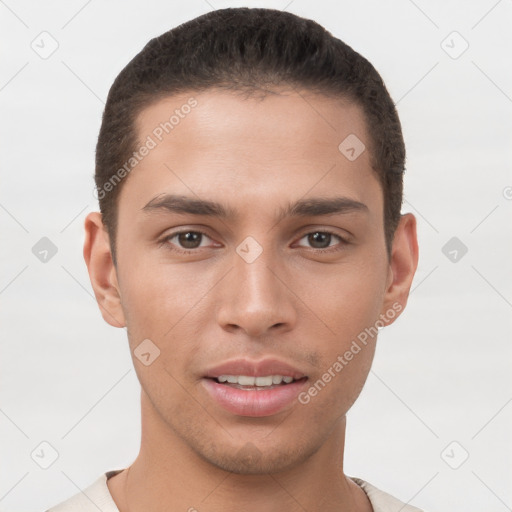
256, 402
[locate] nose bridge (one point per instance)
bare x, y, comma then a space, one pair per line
258, 283
255, 299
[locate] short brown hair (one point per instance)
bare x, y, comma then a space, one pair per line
247, 49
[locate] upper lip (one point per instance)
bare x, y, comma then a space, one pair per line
251, 368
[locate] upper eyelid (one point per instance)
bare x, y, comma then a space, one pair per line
176, 233
323, 231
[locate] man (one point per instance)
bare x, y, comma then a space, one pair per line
249, 173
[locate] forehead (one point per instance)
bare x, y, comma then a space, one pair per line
284, 146
287, 115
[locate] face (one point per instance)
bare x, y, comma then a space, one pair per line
250, 245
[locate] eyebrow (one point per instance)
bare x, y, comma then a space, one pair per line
302, 208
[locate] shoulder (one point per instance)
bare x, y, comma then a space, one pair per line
93, 498
382, 501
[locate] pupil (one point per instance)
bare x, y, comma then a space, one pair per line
323, 238
190, 240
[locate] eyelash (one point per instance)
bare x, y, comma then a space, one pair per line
328, 250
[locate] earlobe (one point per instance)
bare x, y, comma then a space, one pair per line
102, 272
402, 267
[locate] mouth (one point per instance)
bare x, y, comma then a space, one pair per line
260, 388
260, 383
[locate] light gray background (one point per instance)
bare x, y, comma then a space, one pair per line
442, 371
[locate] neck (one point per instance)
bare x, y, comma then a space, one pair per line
169, 475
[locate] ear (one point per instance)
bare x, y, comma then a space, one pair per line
402, 267
102, 272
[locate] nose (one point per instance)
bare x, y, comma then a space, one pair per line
256, 297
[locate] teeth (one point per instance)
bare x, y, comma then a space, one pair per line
263, 381
245, 380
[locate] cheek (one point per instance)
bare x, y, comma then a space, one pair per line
168, 306
345, 353
157, 297
348, 303
331, 395
347, 299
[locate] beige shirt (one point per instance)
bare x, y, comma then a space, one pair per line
97, 497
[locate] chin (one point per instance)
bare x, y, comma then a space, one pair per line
251, 460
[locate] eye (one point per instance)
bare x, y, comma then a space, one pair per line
320, 240
185, 241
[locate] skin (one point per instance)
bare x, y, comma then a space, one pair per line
302, 306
